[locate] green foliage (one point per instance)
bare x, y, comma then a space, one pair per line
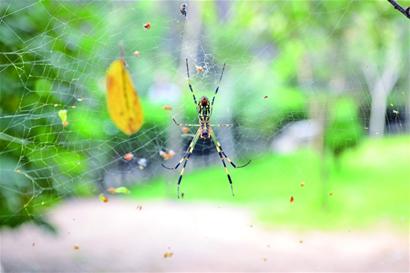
281, 105
38, 68
52, 53
344, 130
370, 187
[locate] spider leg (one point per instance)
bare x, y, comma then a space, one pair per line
219, 146
217, 88
189, 82
220, 153
185, 124
183, 167
185, 158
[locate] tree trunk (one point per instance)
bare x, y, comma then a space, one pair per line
380, 86
377, 114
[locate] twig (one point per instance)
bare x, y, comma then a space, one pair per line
397, 6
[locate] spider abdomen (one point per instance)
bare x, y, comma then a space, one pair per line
205, 131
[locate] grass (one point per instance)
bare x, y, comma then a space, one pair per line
369, 186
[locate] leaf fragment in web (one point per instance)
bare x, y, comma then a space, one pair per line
122, 190
168, 254
62, 114
103, 198
166, 154
122, 99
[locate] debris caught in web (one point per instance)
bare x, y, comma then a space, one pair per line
199, 69
128, 157
103, 198
168, 254
185, 130
62, 114
139, 207
122, 190
166, 154
142, 163
123, 102
167, 107
147, 25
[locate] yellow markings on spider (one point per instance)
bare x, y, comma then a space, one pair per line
205, 131
122, 99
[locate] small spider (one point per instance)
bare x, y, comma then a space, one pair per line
183, 8
205, 131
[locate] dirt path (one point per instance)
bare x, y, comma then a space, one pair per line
119, 237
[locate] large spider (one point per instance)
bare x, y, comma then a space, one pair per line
204, 131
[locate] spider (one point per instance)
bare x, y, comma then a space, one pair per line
204, 131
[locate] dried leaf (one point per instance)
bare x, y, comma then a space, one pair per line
168, 254
122, 99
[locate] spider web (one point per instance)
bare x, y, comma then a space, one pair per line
60, 64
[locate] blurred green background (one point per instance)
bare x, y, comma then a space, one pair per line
324, 64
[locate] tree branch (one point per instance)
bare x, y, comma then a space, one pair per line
397, 6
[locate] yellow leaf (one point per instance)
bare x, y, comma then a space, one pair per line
122, 99
62, 114
118, 190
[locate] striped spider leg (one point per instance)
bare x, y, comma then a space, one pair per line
205, 131
223, 156
185, 158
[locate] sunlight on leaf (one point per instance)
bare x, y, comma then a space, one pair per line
122, 99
